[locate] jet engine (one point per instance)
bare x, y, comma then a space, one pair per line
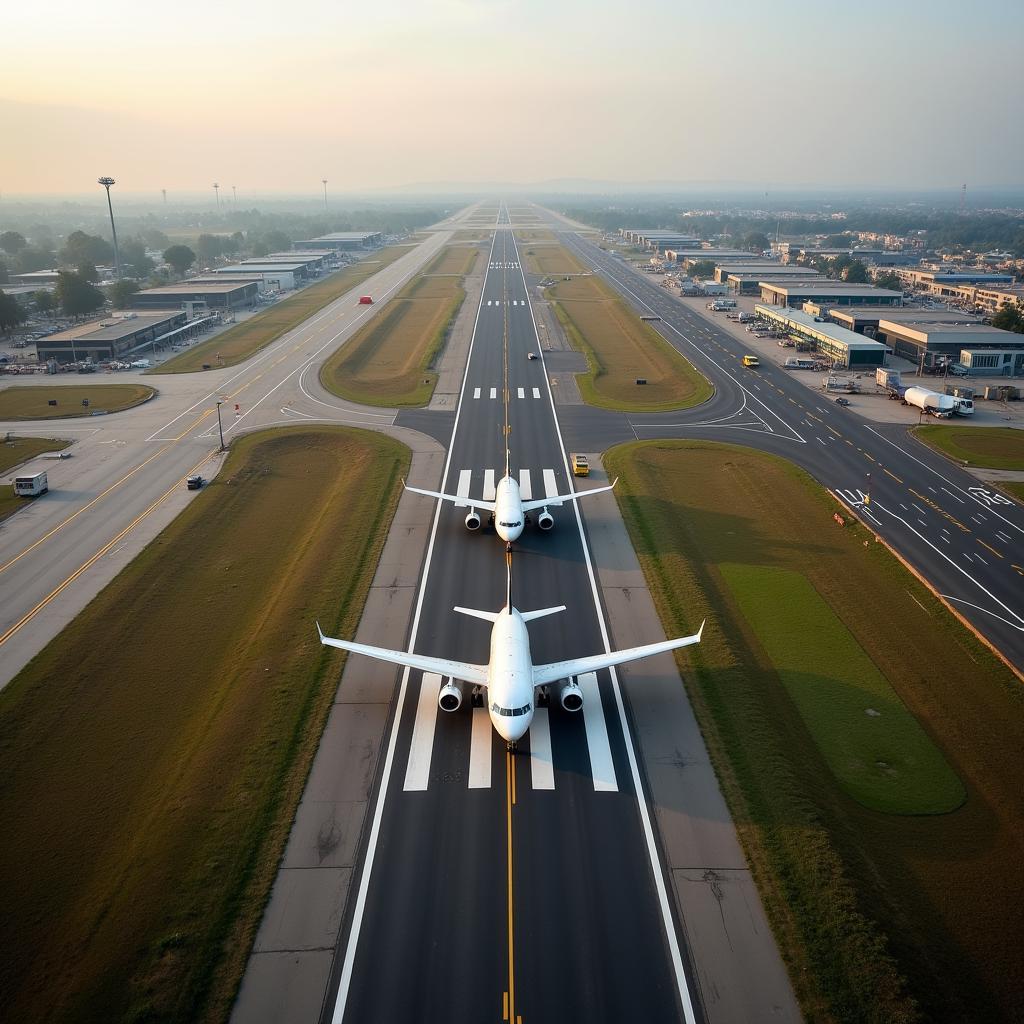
473, 520
450, 697
545, 520
570, 696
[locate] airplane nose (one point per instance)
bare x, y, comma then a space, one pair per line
512, 729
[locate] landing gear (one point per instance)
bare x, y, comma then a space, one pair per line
508, 546
511, 746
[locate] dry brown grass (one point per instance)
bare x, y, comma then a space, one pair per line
388, 361
154, 753
857, 898
33, 402
548, 259
619, 348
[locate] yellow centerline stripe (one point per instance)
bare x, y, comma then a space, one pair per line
998, 554
893, 475
509, 784
84, 508
99, 554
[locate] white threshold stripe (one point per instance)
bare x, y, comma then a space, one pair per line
536, 392
494, 392
525, 487
476, 392
542, 768
421, 747
520, 392
657, 869
488, 485
550, 484
465, 481
601, 765
480, 750
345, 979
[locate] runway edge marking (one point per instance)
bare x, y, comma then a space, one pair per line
345, 978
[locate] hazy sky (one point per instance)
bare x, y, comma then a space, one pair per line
276, 96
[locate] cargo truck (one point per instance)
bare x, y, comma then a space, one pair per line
942, 406
31, 486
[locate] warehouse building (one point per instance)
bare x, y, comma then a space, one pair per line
844, 348
687, 257
341, 241
746, 280
993, 362
837, 293
216, 294
932, 345
659, 239
316, 261
944, 282
114, 337
36, 278
864, 319
274, 275
24, 294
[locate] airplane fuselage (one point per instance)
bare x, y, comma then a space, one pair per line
509, 516
510, 696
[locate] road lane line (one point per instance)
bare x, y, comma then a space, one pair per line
602, 768
421, 746
542, 768
480, 750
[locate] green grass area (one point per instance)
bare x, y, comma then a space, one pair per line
879, 916
33, 402
620, 348
245, 339
153, 754
388, 361
13, 452
535, 235
1014, 487
987, 447
876, 749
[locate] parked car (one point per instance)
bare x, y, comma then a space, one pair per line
842, 401
531, 355
194, 483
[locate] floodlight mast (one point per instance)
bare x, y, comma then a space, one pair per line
106, 182
324, 180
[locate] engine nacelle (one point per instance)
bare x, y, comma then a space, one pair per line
545, 520
473, 520
450, 696
570, 696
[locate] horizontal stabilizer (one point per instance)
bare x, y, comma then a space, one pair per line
541, 612
442, 666
476, 613
558, 499
543, 674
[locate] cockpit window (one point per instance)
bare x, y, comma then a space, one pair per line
510, 712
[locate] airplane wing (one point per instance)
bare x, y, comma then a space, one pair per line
456, 499
442, 666
576, 666
529, 506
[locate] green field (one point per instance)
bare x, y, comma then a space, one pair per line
388, 361
1014, 487
986, 447
245, 339
154, 753
880, 916
33, 402
620, 348
13, 452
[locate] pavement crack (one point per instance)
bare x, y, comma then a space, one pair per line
714, 880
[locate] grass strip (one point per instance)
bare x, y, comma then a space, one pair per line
875, 748
986, 447
880, 917
153, 754
388, 361
620, 348
33, 402
13, 452
250, 336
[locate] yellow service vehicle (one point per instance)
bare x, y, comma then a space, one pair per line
580, 466
751, 361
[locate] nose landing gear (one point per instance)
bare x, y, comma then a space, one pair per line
511, 746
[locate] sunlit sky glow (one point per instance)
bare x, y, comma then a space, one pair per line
273, 96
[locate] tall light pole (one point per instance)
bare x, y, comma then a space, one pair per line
220, 428
324, 180
234, 194
165, 195
106, 183
216, 192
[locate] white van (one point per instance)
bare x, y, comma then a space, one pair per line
31, 486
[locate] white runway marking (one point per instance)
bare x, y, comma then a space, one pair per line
536, 392
525, 487
476, 392
601, 765
465, 480
520, 392
550, 484
494, 392
488, 485
417, 773
542, 768
480, 750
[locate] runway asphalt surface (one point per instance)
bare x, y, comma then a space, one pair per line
502, 886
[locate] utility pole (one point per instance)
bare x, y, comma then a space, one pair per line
106, 182
216, 192
324, 180
220, 427
234, 194
165, 195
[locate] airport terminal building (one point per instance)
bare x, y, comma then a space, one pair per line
844, 348
114, 337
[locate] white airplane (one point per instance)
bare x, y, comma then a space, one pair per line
508, 510
510, 680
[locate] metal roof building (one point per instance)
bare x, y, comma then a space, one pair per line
931, 344
217, 294
839, 293
110, 338
341, 240
843, 347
